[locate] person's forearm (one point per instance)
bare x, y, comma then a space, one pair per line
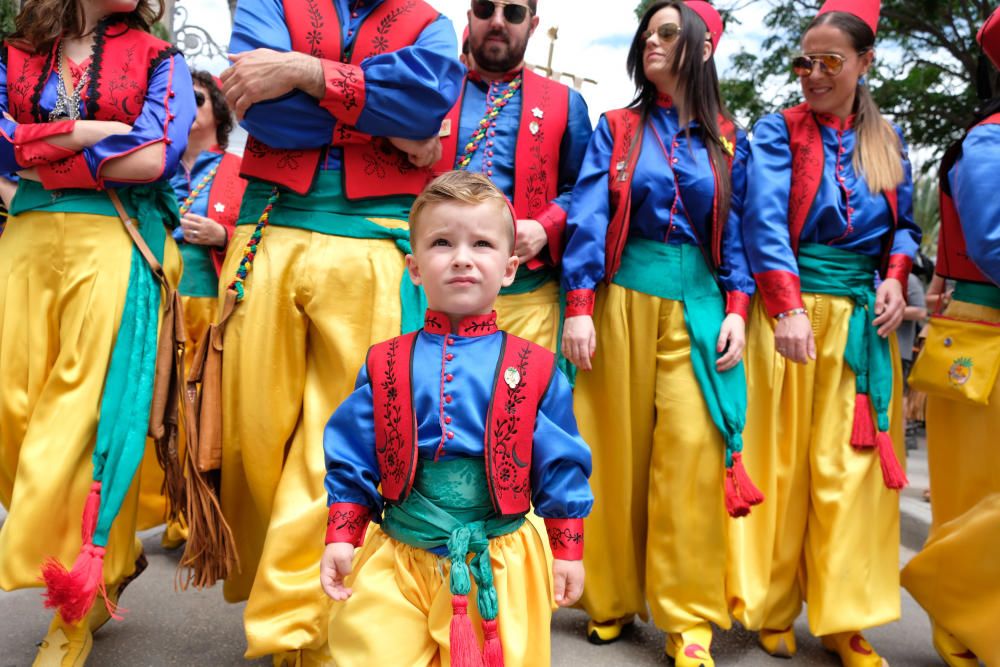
915, 313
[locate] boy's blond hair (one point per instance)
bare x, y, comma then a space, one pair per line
465, 187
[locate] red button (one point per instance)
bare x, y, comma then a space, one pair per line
451, 436
447, 399
354, 15
449, 377
447, 419
449, 356
350, 32
489, 163
451, 341
489, 172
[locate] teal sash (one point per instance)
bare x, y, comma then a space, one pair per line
977, 293
199, 278
450, 506
679, 273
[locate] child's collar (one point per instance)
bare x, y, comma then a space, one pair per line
471, 326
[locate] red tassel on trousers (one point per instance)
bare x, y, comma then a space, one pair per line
461, 636
744, 485
72, 592
892, 471
90, 510
492, 649
736, 504
863, 430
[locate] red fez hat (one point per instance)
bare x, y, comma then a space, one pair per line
465, 33
711, 18
989, 37
866, 10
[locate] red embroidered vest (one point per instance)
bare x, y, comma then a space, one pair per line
953, 258
373, 168
510, 419
224, 199
806, 144
625, 129
121, 65
536, 160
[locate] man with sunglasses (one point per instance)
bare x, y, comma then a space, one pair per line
508, 115
343, 101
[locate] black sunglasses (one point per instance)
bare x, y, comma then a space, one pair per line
513, 14
199, 98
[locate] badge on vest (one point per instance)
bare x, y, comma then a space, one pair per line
512, 377
445, 130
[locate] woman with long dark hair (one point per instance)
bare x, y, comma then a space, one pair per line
828, 214
661, 396
92, 103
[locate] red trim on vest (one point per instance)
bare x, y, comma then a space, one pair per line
372, 168
227, 190
390, 366
579, 302
347, 522
953, 259
565, 538
781, 291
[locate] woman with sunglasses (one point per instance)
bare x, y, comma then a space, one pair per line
961, 442
92, 103
661, 393
828, 216
209, 189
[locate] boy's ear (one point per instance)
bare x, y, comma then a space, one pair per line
411, 266
509, 271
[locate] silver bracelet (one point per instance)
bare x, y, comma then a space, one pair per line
789, 313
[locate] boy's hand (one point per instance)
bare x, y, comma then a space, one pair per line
334, 567
567, 579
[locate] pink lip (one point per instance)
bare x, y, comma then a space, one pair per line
462, 280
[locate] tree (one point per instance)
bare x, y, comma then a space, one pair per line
8, 11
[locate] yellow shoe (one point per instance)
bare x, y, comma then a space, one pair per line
65, 645
778, 643
99, 614
691, 647
853, 649
605, 632
952, 651
174, 535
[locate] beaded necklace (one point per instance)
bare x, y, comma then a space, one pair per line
246, 263
189, 202
494, 111
67, 104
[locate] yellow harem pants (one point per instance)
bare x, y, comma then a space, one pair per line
964, 540
533, 315
63, 280
314, 305
828, 531
199, 313
657, 531
400, 611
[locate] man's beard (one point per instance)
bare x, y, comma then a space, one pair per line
494, 57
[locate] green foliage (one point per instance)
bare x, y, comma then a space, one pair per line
8, 12
926, 212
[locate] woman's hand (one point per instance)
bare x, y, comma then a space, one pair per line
793, 338
732, 340
579, 340
889, 306
200, 230
7, 190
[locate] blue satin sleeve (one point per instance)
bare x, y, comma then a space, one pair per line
908, 234
973, 188
8, 163
734, 271
573, 148
560, 459
765, 212
589, 214
352, 474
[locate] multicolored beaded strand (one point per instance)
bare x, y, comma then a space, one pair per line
477, 136
246, 263
189, 202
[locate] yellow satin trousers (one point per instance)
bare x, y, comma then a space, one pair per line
828, 532
657, 531
964, 540
533, 316
199, 313
400, 611
314, 305
63, 280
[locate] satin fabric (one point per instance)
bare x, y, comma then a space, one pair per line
400, 611
199, 313
657, 532
533, 315
828, 533
973, 179
63, 279
314, 304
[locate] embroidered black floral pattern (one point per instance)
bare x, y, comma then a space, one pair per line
562, 538
432, 323
351, 521
347, 85
380, 42
804, 156
486, 325
392, 414
579, 300
504, 432
315, 34
536, 188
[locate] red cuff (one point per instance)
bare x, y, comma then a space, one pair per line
553, 221
781, 291
899, 268
30, 147
565, 538
579, 302
345, 90
344, 134
73, 172
347, 522
738, 303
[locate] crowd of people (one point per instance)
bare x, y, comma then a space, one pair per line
666, 334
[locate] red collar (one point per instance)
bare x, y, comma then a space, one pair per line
832, 121
474, 75
472, 326
664, 100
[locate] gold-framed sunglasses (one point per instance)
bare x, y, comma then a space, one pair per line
829, 63
665, 32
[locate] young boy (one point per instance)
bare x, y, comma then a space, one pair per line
450, 434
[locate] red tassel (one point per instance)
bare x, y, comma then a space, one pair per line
863, 431
736, 505
892, 471
492, 649
72, 592
90, 511
747, 489
461, 637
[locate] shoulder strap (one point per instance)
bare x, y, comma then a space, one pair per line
140, 243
